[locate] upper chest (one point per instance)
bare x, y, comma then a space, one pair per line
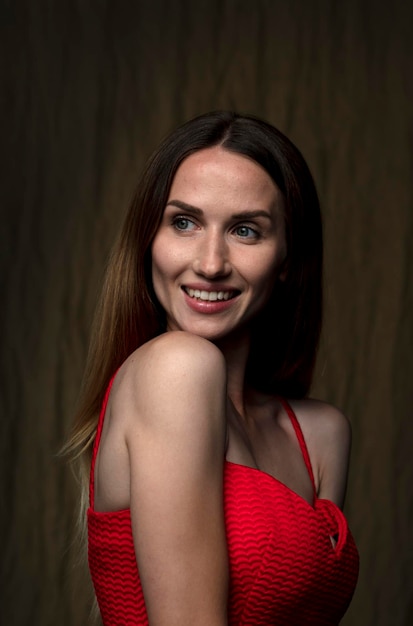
268, 442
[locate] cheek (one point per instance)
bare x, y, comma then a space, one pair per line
158, 266
266, 270
166, 264
263, 277
264, 289
160, 255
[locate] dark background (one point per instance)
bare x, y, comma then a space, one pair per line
88, 89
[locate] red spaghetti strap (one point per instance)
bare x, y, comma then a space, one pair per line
96, 443
301, 440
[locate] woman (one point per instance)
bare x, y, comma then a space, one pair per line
213, 500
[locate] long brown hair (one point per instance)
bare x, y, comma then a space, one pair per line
286, 335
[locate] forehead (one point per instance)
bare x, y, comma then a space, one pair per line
217, 170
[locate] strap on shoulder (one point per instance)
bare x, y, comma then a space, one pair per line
96, 443
301, 440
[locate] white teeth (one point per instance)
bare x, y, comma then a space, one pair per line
209, 296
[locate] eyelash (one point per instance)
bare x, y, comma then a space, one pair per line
256, 234
182, 218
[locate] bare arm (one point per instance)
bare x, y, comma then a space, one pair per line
328, 434
335, 457
175, 438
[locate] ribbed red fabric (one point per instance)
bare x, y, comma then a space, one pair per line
283, 567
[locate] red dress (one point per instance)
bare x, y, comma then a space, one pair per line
283, 567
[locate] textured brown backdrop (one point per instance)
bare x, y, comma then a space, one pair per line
88, 90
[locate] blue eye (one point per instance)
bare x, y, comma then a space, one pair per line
182, 223
246, 232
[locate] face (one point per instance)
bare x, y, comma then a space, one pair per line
220, 246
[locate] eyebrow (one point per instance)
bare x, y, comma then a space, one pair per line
245, 215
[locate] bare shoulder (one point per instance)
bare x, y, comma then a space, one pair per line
327, 432
170, 369
170, 395
320, 420
176, 350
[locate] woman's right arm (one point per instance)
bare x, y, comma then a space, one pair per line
174, 400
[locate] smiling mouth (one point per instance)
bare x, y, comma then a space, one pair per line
209, 296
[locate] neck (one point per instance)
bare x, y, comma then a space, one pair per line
236, 350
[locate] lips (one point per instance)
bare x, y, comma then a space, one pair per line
209, 295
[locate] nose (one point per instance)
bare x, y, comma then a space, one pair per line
212, 256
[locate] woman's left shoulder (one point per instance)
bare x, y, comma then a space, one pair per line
322, 420
327, 432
